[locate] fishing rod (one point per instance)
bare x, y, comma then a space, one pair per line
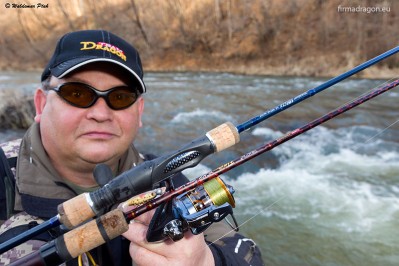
311, 92
114, 223
141, 178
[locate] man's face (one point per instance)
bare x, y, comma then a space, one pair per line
97, 134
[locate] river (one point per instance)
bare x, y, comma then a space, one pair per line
327, 197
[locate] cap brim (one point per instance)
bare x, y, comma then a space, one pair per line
67, 67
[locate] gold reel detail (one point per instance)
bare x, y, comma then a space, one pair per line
218, 192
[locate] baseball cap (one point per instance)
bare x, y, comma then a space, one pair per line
76, 49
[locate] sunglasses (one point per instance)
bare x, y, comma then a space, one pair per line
83, 96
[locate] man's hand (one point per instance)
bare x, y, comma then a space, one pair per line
191, 250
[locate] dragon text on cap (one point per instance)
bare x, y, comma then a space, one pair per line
104, 46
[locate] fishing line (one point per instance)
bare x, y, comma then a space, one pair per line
249, 219
386, 128
382, 131
257, 119
338, 108
365, 93
114, 223
261, 211
85, 206
377, 134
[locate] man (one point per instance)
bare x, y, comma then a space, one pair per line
88, 111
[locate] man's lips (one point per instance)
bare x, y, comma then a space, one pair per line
98, 135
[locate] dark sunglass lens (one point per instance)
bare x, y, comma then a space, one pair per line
77, 94
121, 98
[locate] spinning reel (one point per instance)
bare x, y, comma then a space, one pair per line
194, 210
199, 208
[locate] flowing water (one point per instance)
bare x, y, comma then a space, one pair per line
327, 197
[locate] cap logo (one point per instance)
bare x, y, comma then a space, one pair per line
105, 47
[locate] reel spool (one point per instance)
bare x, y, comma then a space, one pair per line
215, 192
197, 209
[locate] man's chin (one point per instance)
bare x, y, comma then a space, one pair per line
97, 156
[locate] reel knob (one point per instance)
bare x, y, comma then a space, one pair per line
174, 230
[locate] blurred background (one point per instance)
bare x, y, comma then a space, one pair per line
302, 37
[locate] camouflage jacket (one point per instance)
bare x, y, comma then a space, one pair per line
227, 247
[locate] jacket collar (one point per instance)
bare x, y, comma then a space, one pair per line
40, 189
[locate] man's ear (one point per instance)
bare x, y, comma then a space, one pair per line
141, 109
40, 101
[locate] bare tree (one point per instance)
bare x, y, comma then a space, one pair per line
218, 13
66, 15
27, 36
229, 22
137, 21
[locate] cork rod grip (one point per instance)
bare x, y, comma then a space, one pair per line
224, 136
93, 233
75, 211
